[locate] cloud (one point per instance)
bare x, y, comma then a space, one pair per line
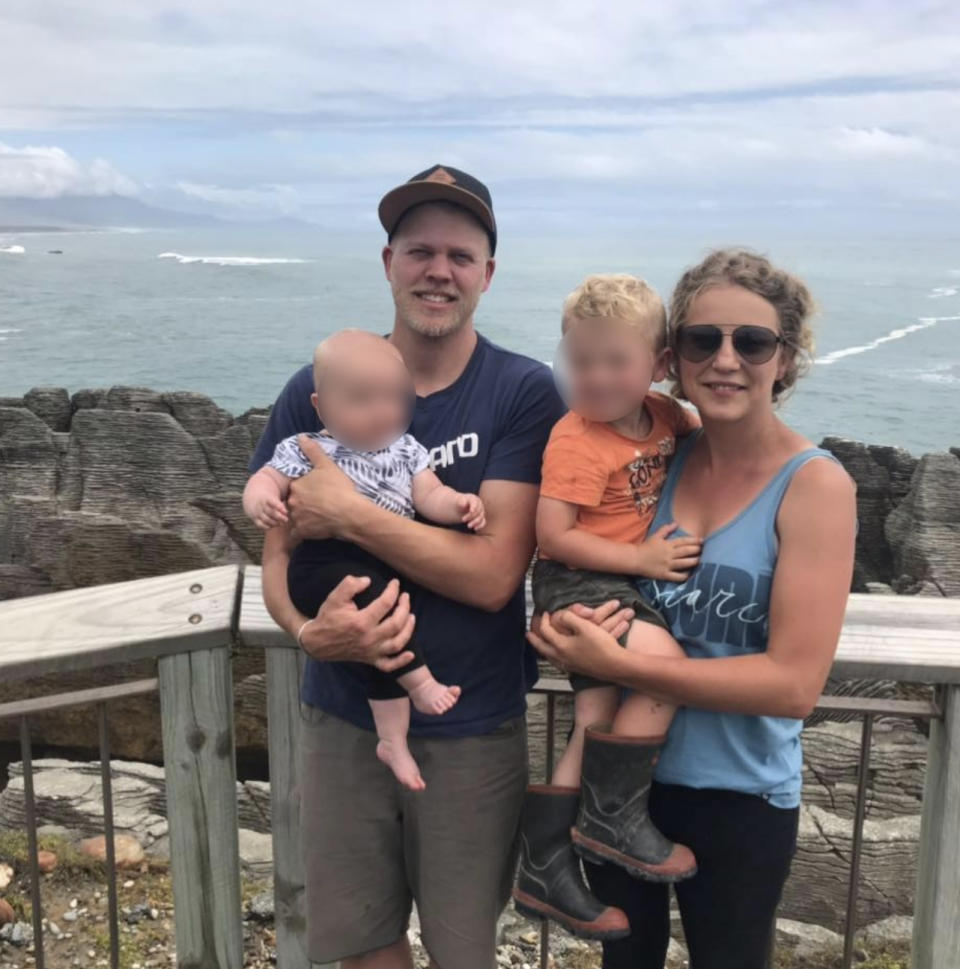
269, 199
223, 105
49, 172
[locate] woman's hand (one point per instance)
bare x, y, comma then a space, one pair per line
574, 643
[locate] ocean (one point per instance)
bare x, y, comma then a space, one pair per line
232, 312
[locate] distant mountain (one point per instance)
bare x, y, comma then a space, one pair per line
95, 211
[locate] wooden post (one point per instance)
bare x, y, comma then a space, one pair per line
283, 732
196, 705
936, 925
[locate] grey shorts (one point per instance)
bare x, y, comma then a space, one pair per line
371, 847
555, 586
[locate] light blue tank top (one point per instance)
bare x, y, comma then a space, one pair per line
722, 610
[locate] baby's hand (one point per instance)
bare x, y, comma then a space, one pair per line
269, 511
661, 557
472, 511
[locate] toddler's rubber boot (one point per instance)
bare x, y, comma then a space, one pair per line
614, 822
550, 882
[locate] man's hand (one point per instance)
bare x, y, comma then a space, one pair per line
375, 634
662, 557
321, 500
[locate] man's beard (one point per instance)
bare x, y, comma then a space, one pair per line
409, 312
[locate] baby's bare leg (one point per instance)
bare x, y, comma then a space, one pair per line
427, 694
640, 715
392, 720
593, 705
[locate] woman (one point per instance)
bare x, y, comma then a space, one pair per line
759, 619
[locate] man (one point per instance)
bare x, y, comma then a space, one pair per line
370, 846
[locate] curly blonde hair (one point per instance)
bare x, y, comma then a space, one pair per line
787, 294
621, 297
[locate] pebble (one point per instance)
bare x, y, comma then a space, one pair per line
129, 883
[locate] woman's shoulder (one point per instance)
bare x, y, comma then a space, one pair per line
819, 481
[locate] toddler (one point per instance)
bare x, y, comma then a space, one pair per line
603, 469
363, 395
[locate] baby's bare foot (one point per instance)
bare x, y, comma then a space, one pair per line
396, 755
434, 698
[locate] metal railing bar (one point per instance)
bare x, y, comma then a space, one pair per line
73, 698
850, 927
114, 915
862, 706
30, 806
548, 772
877, 707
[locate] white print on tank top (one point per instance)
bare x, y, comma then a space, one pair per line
717, 604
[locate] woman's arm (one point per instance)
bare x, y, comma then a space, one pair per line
816, 527
658, 557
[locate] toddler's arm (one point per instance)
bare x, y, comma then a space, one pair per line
264, 497
658, 557
440, 503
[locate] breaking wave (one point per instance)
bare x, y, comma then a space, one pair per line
229, 260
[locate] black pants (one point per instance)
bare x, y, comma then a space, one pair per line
316, 568
744, 847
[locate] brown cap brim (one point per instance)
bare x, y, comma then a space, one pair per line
406, 196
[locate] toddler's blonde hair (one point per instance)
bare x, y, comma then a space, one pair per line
618, 296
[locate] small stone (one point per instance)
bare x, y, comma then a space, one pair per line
262, 906
129, 883
91, 954
6, 875
46, 861
22, 933
127, 850
55, 929
70, 915
154, 914
7, 914
73, 903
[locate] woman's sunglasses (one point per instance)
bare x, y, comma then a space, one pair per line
700, 341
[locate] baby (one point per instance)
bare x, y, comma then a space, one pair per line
603, 469
363, 394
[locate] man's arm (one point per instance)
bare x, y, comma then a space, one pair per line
376, 634
481, 570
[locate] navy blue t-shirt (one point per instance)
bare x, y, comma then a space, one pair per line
492, 423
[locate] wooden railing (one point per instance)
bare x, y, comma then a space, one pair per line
190, 623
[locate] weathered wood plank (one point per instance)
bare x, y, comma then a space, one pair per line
283, 718
100, 625
196, 701
936, 926
908, 638
256, 626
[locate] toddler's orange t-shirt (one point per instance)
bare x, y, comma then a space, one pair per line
615, 480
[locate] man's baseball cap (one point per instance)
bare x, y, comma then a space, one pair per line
440, 183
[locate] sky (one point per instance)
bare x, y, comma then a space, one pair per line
574, 113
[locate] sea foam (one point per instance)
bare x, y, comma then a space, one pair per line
13, 250
228, 260
898, 334
942, 291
